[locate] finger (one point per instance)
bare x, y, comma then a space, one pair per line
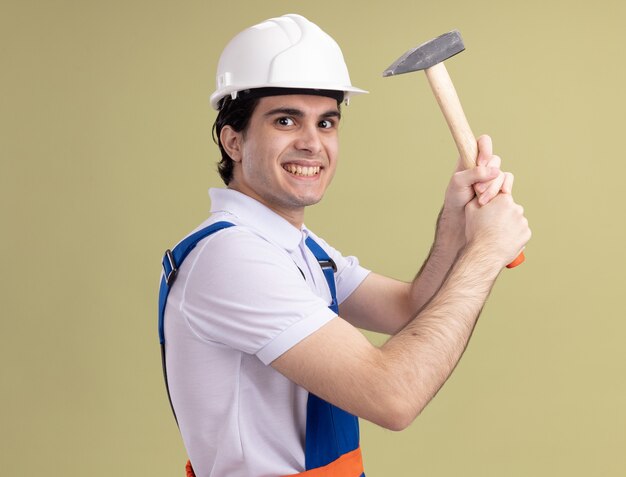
487, 191
507, 185
475, 176
492, 190
481, 187
495, 161
485, 150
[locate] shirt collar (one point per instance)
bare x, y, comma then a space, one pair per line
257, 216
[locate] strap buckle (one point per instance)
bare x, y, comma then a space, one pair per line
330, 263
170, 275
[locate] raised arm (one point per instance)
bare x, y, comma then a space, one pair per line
391, 385
396, 302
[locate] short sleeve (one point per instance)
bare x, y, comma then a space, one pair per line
248, 294
349, 274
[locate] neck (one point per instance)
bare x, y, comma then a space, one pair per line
293, 215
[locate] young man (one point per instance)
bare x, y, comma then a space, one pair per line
266, 373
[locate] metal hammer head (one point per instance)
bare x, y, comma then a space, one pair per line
428, 55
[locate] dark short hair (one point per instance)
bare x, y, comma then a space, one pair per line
237, 112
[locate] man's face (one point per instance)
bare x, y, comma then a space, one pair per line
287, 156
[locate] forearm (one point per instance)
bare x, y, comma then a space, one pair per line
391, 385
403, 301
449, 239
488, 181
422, 356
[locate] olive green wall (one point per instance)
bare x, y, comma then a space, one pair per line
106, 157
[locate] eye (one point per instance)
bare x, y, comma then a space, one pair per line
326, 124
285, 121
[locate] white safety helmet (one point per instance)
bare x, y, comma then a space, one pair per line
283, 52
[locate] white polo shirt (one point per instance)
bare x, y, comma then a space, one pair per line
238, 303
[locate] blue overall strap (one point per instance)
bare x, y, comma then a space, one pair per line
331, 432
172, 261
328, 267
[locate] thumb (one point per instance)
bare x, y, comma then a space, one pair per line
485, 150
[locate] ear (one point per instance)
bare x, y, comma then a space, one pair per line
231, 142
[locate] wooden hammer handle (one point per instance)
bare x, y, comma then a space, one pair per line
448, 100
464, 138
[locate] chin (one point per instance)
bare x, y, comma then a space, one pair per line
311, 199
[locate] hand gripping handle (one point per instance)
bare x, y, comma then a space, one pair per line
465, 141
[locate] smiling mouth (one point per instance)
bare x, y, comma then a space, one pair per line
302, 171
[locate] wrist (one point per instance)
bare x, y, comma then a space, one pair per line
484, 256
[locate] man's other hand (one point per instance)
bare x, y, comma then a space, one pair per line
484, 181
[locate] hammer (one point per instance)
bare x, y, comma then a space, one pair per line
430, 57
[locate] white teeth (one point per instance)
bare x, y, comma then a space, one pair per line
302, 170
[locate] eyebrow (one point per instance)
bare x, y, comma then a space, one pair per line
333, 113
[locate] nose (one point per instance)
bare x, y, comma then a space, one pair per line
309, 140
